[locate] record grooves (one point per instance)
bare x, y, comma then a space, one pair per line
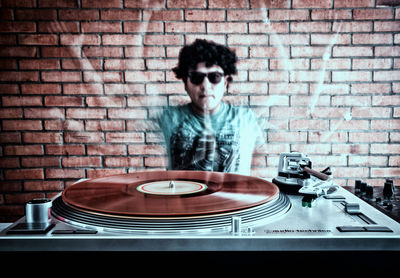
165, 201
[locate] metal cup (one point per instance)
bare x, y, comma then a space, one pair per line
38, 211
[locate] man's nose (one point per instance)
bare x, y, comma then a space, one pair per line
206, 84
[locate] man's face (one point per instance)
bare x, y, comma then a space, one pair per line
207, 95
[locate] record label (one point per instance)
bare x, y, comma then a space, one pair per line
171, 187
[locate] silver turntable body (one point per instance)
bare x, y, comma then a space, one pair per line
338, 221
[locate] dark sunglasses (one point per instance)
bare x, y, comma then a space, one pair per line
198, 77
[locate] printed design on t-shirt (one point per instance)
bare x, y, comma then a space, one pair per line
196, 150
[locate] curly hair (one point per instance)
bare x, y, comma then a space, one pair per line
205, 51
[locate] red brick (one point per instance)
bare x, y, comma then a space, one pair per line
309, 27
74, 14
163, 40
99, 173
344, 76
330, 14
6, 162
22, 101
19, 76
23, 174
105, 101
147, 101
42, 137
185, 27
122, 40
155, 162
367, 160
36, 64
24, 150
98, 51
9, 89
385, 172
101, 3
58, 27
83, 137
295, 136
85, 113
81, 64
61, 52
372, 14
101, 27
106, 149
154, 4
65, 150
63, 125
18, 26
58, 4
64, 173
370, 88
386, 26
18, 51
186, 4
353, 3
123, 89
386, 100
43, 185
370, 112
22, 198
228, 4
143, 52
123, 161
387, 75
363, 101
81, 161
79, 39
63, 101
270, 4
108, 125
386, 124
38, 39
146, 150
226, 27
349, 27
126, 113
40, 162
82, 89
308, 124
273, 52
10, 113
142, 27
125, 137
19, 3
44, 113
312, 4
368, 137
372, 63
146, 76
99, 76
247, 39
279, 15
120, 14
124, 64
204, 15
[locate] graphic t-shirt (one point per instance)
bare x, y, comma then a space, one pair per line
222, 142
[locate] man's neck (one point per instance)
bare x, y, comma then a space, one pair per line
203, 112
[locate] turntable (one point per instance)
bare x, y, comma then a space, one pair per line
194, 211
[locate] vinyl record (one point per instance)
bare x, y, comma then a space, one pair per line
169, 193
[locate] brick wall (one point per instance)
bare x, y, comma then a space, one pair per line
79, 79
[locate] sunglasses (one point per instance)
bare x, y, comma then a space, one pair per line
198, 77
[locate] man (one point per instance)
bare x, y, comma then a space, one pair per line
208, 134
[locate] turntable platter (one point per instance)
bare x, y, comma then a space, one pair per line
192, 193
